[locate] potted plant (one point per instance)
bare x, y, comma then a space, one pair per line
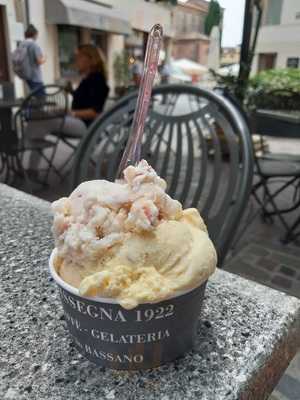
274, 98
121, 73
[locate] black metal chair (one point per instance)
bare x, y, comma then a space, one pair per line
184, 144
13, 147
277, 173
51, 106
14, 144
279, 169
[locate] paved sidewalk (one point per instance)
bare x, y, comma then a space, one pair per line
263, 258
259, 256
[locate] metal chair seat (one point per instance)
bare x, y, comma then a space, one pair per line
273, 168
67, 135
282, 157
182, 120
36, 108
285, 176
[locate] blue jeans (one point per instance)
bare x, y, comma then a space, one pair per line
35, 86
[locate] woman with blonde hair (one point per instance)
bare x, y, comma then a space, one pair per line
88, 101
92, 92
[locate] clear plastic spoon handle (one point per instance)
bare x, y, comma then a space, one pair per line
132, 153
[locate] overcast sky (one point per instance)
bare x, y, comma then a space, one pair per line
233, 21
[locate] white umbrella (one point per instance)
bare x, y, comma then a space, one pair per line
213, 60
232, 69
189, 66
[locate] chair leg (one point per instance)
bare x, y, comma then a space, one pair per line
248, 222
6, 168
290, 235
74, 147
280, 190
21, 168
9, 170
268, 198
52, 157
276, 210
50, 166
261, 203
63, 166
2, 163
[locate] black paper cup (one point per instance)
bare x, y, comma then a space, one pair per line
145, 337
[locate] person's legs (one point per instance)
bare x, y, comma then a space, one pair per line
35, 86
38, 130
74, 129
74, 126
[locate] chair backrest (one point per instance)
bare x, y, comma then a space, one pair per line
47, 103
7, 90
195, 139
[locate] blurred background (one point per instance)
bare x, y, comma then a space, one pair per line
249, 50
120, 28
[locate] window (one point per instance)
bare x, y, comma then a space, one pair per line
201, 23
68, 41
180, 20
292, 62
185, 23
266, 61
99, 39
273, 12
195, 23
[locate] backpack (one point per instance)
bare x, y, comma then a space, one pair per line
21, 62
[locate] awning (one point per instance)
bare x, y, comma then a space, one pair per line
86, 14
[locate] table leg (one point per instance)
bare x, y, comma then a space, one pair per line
5, 120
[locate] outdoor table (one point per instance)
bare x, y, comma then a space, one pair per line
247, 333
278, 123
6, 107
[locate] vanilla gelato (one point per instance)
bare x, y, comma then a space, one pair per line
130, 241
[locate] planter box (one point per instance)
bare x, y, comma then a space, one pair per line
280, 123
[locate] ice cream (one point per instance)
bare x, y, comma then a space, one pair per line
129, 240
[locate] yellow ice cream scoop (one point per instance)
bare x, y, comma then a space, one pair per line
143, 250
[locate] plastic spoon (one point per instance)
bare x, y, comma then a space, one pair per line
132, 152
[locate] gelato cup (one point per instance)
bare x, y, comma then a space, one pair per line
144, 337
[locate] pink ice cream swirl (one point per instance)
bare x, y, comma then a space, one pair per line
99, 214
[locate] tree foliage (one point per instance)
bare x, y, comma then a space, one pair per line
277, 89
121, 69
213, 17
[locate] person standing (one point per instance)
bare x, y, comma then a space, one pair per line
27, 60
165, 73
137, 70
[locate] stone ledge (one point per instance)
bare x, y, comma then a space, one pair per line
247, 333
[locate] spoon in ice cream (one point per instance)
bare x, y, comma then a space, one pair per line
132, 152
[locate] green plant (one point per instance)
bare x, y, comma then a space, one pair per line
213, 17
121, 69
275, 89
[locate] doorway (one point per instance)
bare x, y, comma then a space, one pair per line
266, 61
4, 72
99, 39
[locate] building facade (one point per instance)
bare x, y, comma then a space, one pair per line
142, 16
278, 44
112, 25
189, 39
11, 32
230, 55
